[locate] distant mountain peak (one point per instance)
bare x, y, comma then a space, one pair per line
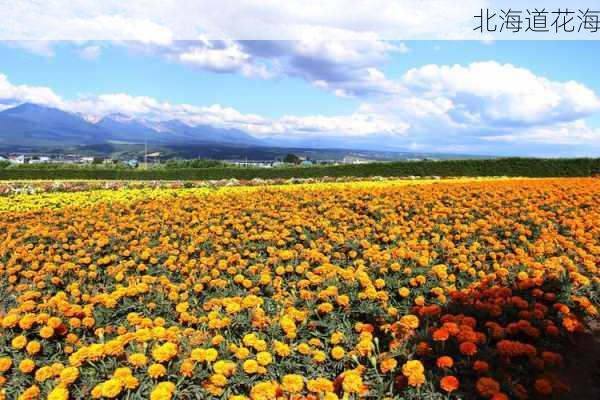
29, 123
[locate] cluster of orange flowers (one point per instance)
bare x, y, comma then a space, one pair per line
345, 291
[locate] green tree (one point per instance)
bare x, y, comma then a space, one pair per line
291, 159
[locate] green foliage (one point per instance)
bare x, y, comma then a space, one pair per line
292, 159
526, 167
197, 163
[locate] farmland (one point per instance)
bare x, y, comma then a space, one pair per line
399, 289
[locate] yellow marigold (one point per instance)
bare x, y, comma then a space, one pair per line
219, 380
130, 382
187, 368
352, 382
292, 383
210, 355
137, 360
319, 385
281, 349
224, 367
19, 342
319, 356
30, 393
46, 332
33, 347
68, 375
387, 365
156, 371
44, 373
338, 353
96, 392
414, 370
165, 352
263, 391
163, 391
27, 365
264, 358
111, 388
59, 393
365, 347
250, 366
337, 338
410, 321
304, 348
5, 364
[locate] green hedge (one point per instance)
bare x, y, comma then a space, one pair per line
530, 167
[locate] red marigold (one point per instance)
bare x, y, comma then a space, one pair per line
468, 348
480, 366
444, 362
449, 383
487, 387
441, 335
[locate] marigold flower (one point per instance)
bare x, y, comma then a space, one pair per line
449, 383
27, 365
352, 382
111, 388
58, 393
156, 371
292, 383
468, 348
410, 321
137, 360
444, 362
5, 364
487, 387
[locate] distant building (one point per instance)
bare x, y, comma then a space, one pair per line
133, 163
86, 160
253, 163
306, 162
39, 160
354, 160
17, 159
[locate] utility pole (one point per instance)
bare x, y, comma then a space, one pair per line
146, 151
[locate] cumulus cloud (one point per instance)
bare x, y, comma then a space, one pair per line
485, 93
344, 68
15, 94
157, 20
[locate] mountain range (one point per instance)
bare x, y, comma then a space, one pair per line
36, 129
35, 125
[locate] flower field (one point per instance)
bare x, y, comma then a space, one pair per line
395, 289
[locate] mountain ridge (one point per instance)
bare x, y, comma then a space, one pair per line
31, 124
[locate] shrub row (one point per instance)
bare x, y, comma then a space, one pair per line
527, 167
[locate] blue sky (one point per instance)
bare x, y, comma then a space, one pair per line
502, 97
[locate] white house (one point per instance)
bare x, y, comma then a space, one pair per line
17, 160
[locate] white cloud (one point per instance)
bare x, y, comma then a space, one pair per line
90, 52
502, 94
226, 56
157, 20
10, 93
